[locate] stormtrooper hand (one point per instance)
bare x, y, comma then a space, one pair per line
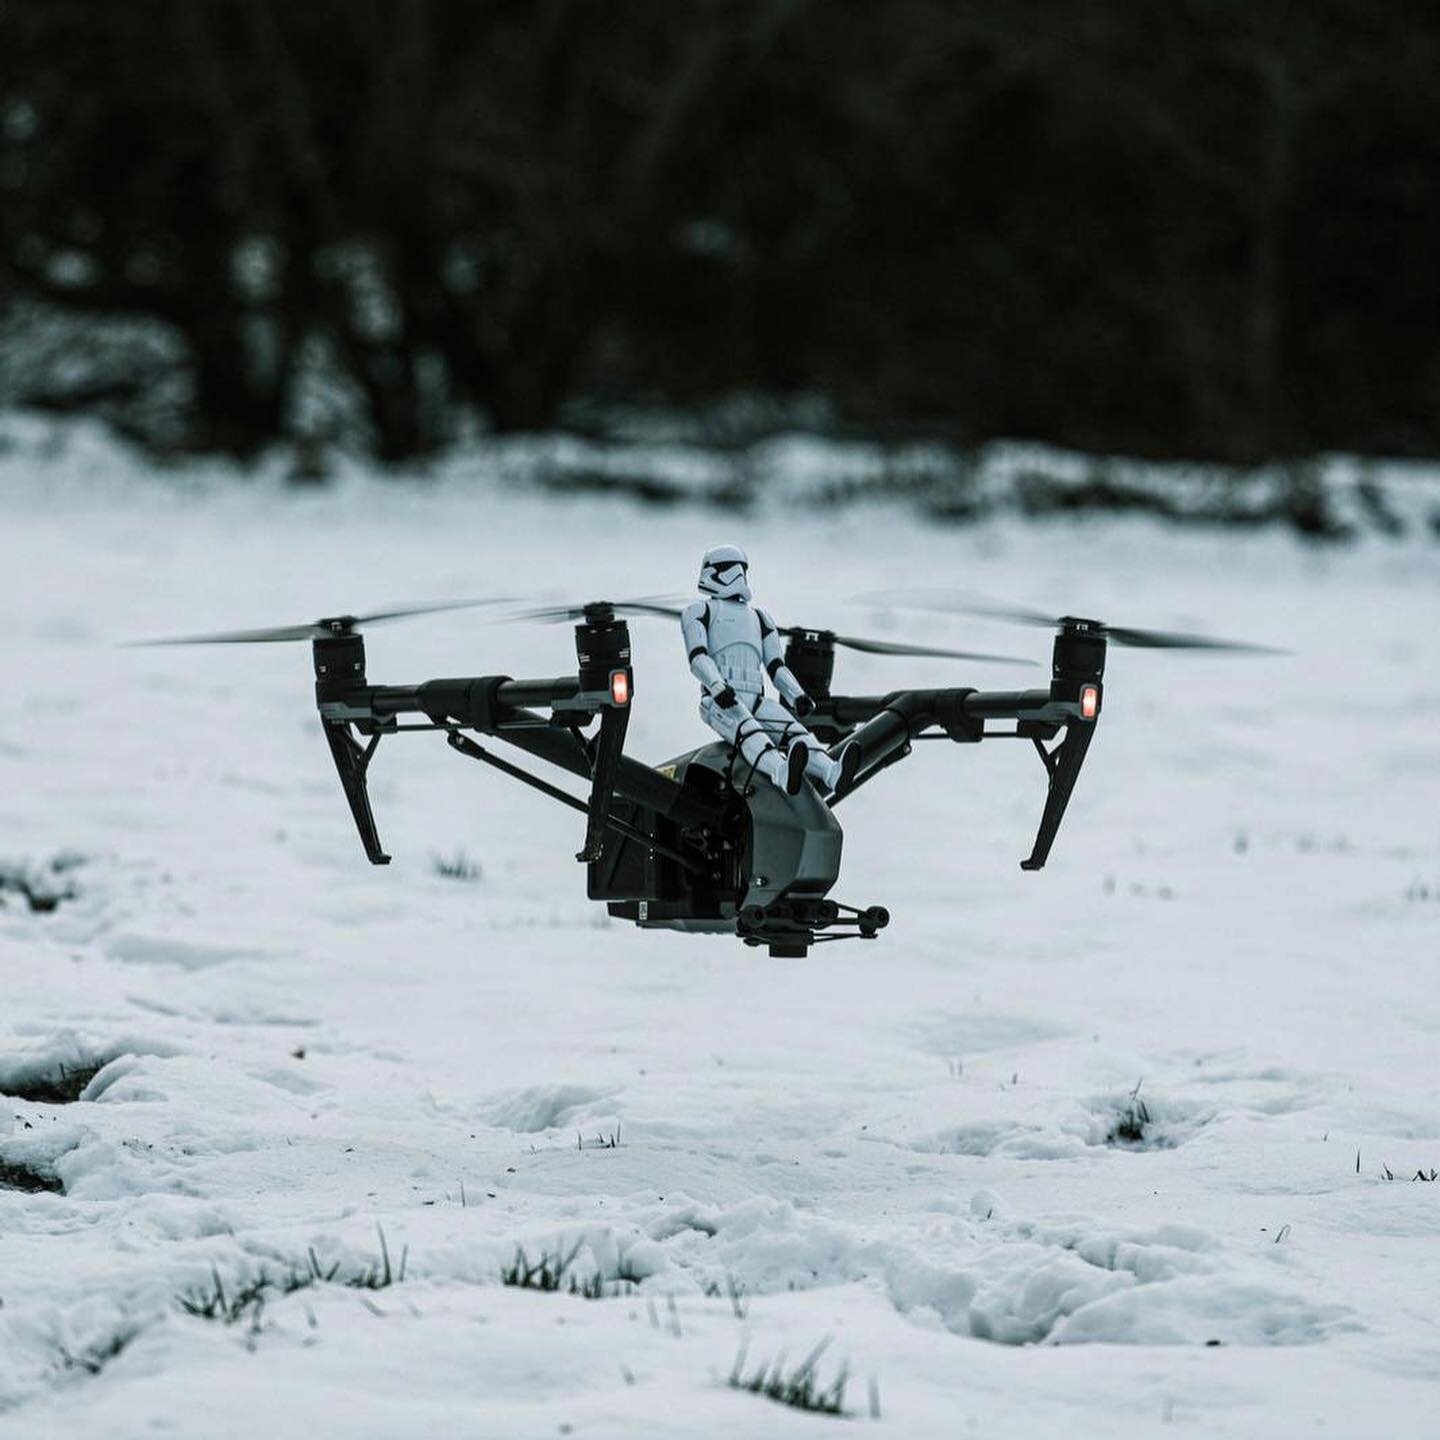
726, 698
802, 705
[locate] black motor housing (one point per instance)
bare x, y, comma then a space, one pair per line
602, 646
810, 657
339, 665
1078, 658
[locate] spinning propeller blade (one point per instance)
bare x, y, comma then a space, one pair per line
318, 629
890, 647
660, 606
957, 602
669, 607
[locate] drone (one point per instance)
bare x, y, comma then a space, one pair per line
701, 843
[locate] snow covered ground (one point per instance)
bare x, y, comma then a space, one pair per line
915, 1147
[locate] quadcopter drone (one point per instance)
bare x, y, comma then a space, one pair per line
703, 843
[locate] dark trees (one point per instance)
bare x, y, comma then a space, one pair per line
1209, 227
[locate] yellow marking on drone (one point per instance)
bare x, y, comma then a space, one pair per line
668, 771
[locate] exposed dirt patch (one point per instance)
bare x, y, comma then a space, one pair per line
61, 1086
93, 1359
1133, 1126
1136, 1122
15, 1175
45, 886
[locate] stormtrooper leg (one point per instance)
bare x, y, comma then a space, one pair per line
737, 727
822, 769
786, 731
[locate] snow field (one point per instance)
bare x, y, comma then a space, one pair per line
1023, 1158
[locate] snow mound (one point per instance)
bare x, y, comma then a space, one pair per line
544, 1107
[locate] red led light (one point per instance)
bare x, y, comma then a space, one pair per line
1089, 701
620, 687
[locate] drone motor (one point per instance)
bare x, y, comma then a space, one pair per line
602, 649
810, 656
339, 659
1078, 664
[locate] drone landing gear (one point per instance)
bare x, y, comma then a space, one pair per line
790, 926
352, 760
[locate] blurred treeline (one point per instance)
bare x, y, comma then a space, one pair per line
1202, 227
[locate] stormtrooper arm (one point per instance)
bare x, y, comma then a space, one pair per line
702, 663
780, 673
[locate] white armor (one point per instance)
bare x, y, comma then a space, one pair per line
732, 646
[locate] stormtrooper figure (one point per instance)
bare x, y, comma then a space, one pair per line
732, 647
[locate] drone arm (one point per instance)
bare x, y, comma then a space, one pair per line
476, 701
1011, 705
953, 710
634, 781
887, 725
498, 705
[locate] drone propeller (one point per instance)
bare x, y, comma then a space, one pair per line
660, 606
890, 647
664, 607
956, 602
326, 629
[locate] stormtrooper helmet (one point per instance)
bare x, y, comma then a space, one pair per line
723, 573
